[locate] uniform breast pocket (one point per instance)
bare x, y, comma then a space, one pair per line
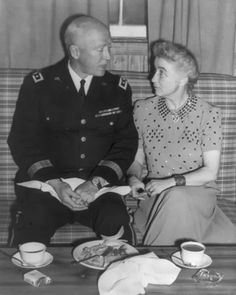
106, 124
60, 123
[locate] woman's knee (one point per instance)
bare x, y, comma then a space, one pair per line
186, 199
175, 199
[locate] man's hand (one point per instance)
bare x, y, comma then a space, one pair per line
67, 196
87, 192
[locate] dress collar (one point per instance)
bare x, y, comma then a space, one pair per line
181, 113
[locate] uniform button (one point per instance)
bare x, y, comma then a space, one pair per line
82, 156
83, 121
111, 123
83, 139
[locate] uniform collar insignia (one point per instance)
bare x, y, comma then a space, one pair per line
123, 83
37, 77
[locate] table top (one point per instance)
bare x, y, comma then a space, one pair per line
68, 278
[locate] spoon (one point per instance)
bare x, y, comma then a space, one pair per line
186, 264
15, 258
19, 260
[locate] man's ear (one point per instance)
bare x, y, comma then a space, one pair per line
74, 51
183, 81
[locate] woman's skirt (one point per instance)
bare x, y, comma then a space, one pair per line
184, 213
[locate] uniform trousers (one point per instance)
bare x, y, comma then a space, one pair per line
39, 215
184, 213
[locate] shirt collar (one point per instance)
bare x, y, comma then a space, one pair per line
76, 79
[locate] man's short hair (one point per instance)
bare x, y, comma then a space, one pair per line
74, 22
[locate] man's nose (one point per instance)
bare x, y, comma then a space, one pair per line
106, 53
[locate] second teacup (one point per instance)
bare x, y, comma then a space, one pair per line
192, 253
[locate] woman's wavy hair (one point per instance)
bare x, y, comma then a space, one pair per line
179, 54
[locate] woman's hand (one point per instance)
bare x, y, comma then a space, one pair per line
137, 188
155, 186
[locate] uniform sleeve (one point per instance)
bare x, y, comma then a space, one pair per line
121, 155
212, 133
27, 137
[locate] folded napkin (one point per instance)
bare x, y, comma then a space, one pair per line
73, 182
132, 275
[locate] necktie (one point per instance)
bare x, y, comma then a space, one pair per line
81, 92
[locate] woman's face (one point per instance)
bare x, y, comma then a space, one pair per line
168, 78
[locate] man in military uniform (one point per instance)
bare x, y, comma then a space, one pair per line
73, 119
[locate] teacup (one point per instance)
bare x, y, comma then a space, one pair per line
192, 253
32, 253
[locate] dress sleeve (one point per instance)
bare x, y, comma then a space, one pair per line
212, 131
139, 120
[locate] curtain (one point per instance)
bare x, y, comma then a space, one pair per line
206, 27
29, 29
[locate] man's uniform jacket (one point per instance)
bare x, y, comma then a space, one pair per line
55, 134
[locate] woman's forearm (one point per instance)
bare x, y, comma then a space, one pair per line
200, 177
135, 172
206, 173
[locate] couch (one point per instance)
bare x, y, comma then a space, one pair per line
215, 88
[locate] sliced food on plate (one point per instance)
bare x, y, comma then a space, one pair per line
99, 254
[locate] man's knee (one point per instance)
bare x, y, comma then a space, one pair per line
112, 205
111, 213
31, 225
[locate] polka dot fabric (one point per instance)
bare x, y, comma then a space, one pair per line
174, 142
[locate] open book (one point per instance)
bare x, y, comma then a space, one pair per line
74, 182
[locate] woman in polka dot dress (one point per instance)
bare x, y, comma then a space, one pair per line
179, 143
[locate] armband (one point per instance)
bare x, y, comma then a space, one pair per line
179, 180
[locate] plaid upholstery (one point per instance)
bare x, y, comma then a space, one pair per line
216, 89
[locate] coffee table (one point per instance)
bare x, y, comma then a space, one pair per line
77, 279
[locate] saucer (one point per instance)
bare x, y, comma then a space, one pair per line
16, 259
176, 258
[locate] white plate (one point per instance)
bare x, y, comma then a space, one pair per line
176, 258
48, 258
78, 250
